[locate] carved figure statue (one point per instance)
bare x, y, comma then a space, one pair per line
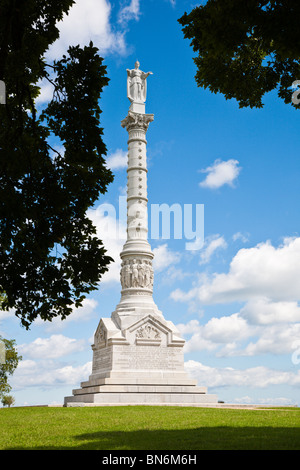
147, 274
137, 84
135, 274
141, 270
127, 273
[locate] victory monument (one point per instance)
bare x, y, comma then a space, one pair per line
137, 354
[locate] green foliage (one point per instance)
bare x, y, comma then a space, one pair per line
8, 400
246, 48
11, 363
50, 256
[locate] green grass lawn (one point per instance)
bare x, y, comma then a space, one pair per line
149, 428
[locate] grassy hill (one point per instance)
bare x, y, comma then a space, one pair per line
149, 428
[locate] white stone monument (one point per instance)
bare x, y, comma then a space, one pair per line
137, 354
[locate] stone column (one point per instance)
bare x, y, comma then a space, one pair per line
136, 268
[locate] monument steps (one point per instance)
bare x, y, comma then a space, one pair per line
142, 398
140, 389
138, 381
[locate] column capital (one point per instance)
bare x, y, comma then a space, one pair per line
137, 121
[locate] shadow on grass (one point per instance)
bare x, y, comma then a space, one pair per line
206, 438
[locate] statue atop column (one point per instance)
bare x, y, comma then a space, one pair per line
137, 84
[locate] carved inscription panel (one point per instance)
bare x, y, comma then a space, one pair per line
148, 357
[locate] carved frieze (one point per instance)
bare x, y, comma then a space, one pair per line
148, 332
137, 273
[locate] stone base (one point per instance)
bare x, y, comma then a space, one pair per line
141, 389
138, 360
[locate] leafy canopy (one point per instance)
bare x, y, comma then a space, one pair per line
9, 366
246, 48
50, 256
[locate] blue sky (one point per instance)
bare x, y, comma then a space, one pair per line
236, 300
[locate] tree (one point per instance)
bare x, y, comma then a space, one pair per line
50, 256
9, 366
8, 400
246, 48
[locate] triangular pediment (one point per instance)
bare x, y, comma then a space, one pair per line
152, 330
149, 321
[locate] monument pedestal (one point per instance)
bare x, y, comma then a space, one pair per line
141, 363
137, 354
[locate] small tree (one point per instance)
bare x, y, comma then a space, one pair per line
9, 366
8, 400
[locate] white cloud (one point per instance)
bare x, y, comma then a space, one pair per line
113, 234
88, 20
277, 401
211, 244
240, 236
263, 271
226, 331
220, 173
234, 335
129, 12
259, 377
179, 296
46, 92
81, 314
117, 160
30, 373
4, 314
163, 257
266, 279
53, 347
175, 274
197, 342
277, 339
265, 312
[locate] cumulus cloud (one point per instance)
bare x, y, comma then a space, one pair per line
263, 271
30, 373
274, 339
51, 348
220, 173
88, 20
266, 312
233, 335
81, 314
117, 160
164, 257
225, 332
129, 12
240, 236
211, 245
46, 92
266, 279
259, 377
112, 231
